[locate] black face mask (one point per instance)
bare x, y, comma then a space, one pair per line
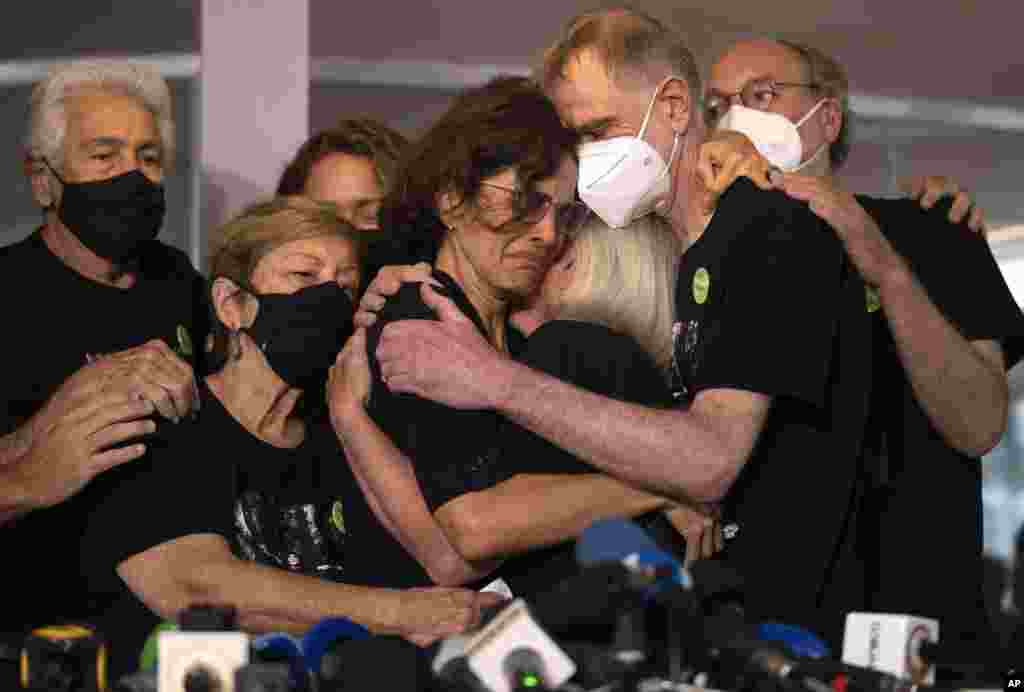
302, 333
114, 218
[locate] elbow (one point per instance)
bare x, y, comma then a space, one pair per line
986, 433
986, 438
710, 490
447, 570
469, 532
714, 484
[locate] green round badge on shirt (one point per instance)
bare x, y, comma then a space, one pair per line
872, 299
701, 285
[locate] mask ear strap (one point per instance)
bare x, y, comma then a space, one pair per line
650, 106
809, 113
56, 175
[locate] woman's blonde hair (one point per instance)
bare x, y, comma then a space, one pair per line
625, 280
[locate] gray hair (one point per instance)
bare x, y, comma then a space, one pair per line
47, 118
631, 44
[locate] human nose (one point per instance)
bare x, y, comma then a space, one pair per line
546, 229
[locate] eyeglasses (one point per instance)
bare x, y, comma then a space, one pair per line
531, 206
757, 94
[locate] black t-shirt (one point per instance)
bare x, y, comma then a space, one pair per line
452, 451
54, 317
600, 360
766, 302
924, 549
281, 507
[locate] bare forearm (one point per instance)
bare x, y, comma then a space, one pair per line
271, 599
387, 479
16, 496
964, 394
201, 569
531, 511
668, 451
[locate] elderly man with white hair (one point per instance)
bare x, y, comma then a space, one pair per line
100, 319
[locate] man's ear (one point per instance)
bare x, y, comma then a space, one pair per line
231, 304
44, 186
675, 96
832, 119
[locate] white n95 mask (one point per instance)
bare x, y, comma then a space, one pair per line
623, 178
775, 136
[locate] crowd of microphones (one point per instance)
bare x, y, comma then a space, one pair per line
631, 620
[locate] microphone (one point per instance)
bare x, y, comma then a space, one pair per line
524, 670
68, 657
891, 644
622, 541
797, 640
511, 652
457, 676
280, 648
320, 643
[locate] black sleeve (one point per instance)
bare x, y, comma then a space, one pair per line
415, 424
183, 485
957, 269
590, 356
773, 332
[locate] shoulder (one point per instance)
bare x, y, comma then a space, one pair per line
407, 303
762, 231
596, 358
18, 254
907, 224
769, 217
585, 338
162, 261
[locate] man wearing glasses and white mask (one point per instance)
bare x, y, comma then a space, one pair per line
943, 340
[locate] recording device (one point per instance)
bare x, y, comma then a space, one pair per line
891, 644
64, 658
141, 681
271, 652
263, 677
203, 655
320, 646
512, 652
524, 670
200, 661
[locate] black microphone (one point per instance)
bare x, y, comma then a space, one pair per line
457, 676
586, 606
524, 670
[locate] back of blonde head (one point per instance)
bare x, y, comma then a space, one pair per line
625, 280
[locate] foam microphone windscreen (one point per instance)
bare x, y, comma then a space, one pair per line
377, 663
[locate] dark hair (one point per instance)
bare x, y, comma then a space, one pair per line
358, 137
506, 123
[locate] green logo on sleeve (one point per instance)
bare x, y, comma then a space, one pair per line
184, 347
701, 285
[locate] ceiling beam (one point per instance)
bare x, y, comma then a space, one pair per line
451, 76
